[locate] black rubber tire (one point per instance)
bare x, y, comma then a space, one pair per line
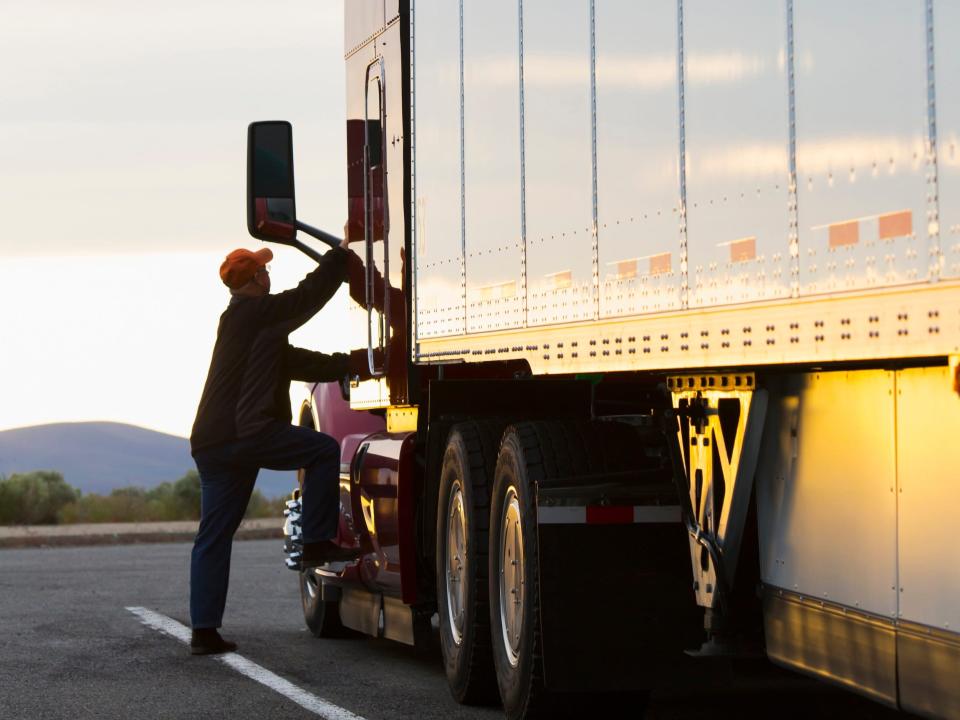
322, 616
469, 458
532, 453
521, 686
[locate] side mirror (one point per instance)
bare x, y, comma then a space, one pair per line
271, 201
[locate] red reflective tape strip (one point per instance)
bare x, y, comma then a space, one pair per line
656, 514
561, 515
609, 515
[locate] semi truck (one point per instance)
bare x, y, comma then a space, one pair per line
662, 303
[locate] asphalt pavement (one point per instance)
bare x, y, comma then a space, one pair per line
70, 648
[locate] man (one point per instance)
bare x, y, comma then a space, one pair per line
243, 424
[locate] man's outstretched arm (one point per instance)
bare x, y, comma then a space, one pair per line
310, 366
299, 304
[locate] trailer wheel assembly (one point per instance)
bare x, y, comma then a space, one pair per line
462, 529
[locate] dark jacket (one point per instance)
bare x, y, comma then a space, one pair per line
248, 384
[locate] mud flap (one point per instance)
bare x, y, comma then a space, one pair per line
616, 599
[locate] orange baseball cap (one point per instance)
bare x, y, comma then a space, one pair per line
241, 265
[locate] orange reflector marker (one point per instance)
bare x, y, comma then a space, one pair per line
743, 249
626, 269
895, 224
845, 233
660, 263
561, 280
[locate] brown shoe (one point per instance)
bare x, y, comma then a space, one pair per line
325, 551
207, 641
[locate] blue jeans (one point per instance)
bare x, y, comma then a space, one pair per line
227, 475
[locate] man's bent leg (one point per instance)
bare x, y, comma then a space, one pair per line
321, 492
225, 490
288, 447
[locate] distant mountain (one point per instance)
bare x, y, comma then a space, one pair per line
100, 456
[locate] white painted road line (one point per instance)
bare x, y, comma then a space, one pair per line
306, 700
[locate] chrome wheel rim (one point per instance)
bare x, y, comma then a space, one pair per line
511, 576
456, 560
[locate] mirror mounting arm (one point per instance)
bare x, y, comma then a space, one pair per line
294, 242
325, 237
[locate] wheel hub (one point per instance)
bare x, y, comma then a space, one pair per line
511, 576
456, 561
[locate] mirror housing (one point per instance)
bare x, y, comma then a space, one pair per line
271, 200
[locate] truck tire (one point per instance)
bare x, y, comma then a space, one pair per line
463, 511
530, 453
322, 616
514, 585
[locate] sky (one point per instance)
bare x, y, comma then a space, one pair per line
122, 179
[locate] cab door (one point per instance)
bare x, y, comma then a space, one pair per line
375, 176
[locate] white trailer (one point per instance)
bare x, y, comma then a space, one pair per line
751, 208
